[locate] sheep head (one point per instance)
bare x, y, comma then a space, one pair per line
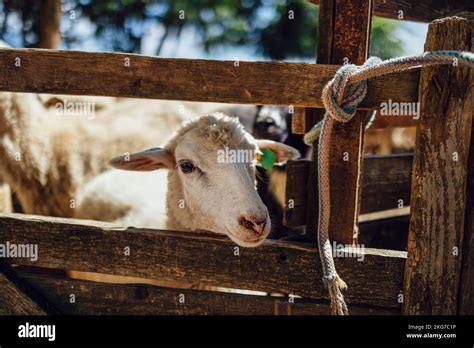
213, 161
272, 122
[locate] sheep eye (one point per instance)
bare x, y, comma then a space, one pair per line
186, 166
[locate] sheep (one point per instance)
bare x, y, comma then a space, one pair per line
5, 198
201, 192
386, 141
47, 158
274, 123
51, 101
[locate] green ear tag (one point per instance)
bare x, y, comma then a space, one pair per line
268, 159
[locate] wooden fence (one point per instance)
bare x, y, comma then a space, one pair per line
430, 279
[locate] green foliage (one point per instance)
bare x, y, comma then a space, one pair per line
278, 29
384, 42
293, 32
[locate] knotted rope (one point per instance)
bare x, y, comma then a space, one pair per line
341, 97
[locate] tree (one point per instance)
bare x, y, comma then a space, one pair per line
278, 29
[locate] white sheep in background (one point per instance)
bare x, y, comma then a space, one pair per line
55, 101
47, 157
5, 198
200, 191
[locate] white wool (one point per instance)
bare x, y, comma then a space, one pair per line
128, 198
58, 154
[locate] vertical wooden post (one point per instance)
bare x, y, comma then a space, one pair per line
49, 24
435, 240
466, 288
343, 37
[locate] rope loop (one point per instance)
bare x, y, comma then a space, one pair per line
341, 96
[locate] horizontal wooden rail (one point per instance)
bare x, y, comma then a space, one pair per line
302, 122
386, 184
207, 259
135, 76
422, 10
138, 299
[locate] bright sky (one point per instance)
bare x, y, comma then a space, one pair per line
411, 34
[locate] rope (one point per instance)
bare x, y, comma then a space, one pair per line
341, 97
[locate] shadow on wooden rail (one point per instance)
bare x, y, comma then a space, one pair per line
375, 275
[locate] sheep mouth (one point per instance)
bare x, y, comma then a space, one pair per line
242, 241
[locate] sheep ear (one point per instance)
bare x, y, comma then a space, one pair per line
148, 160
52, 101
282, 151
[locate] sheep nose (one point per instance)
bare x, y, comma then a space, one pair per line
253, 224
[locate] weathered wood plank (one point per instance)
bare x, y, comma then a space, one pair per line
466, 288
385, 230
14, 298
94, 298
297, 187
385, 182
107, 74
385, 214
311, 116
49, 24
14, 302
422, 11
387, 121
349, 23
438, 198
297, 121
304, 122
207, 259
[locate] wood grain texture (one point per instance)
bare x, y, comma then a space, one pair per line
105, 74
207, 259
313, 116
425, 10
385, 230
304, 122
435, 240
466, 288
297, 187
349, 28
94, 298
14, 302
49, 24
422, 11
298, 121
385, 181
15, 299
